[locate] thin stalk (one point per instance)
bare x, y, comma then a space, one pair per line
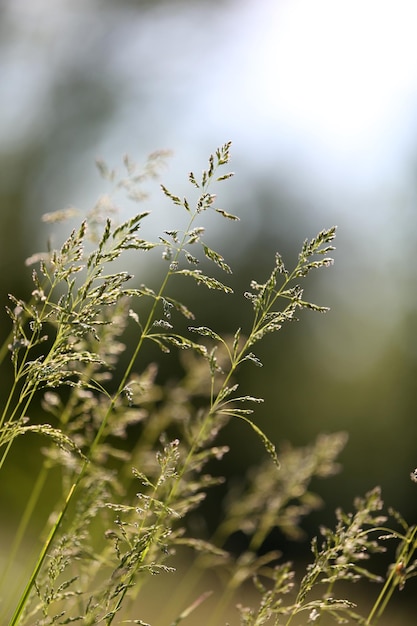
26, 396
221, 605
24, 522
215, 406
189, 457
392, 580
49, 541
160, 520
19, 609
35, 493
18, 368
128, 370
23, 411
4, 349
94, 445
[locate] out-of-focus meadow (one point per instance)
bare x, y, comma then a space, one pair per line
319, 99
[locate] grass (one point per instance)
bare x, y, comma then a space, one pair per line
125, 506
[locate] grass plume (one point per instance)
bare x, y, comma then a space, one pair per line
122, 510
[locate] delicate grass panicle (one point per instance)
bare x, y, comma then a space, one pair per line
121, 513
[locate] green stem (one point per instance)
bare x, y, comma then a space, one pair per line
203, 426
392, 581
24, 521
93, 447
215, 404
18, 612
5, 347
47, 546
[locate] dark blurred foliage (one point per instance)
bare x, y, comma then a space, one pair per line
318, 374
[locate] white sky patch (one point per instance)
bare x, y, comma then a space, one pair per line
340, 68
333, 80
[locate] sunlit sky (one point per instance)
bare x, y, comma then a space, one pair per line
333, 82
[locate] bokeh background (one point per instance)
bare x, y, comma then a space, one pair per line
320, 100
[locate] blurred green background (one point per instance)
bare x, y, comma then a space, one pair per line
319, 99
